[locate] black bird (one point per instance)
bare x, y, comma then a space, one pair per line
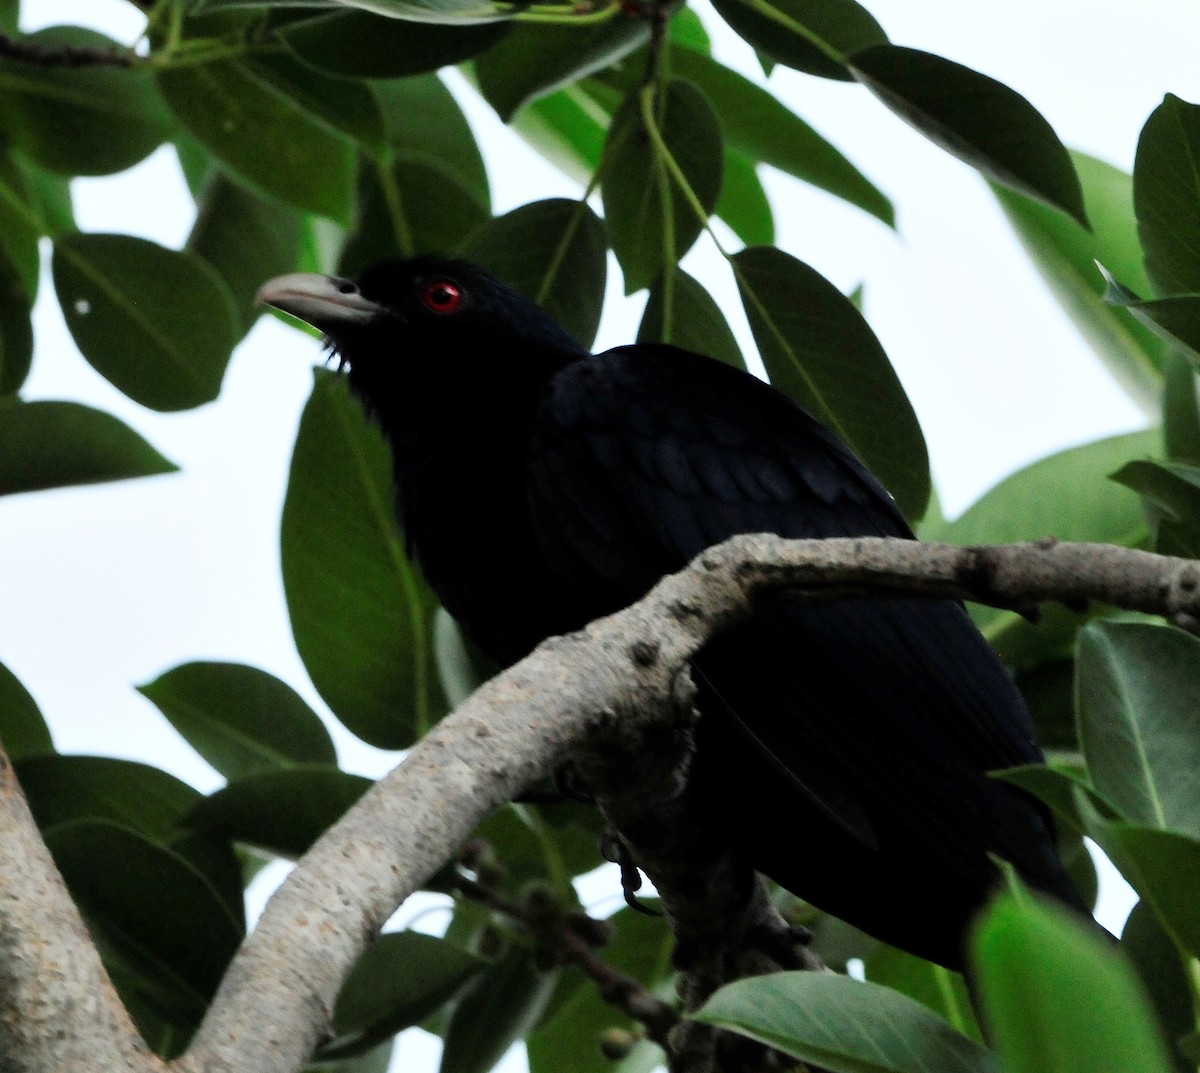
540, 486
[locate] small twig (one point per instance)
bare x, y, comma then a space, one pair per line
26, 51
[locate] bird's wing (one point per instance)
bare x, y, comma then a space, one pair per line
882, 713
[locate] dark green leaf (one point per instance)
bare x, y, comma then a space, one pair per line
814, 36
133, 895
651, 222
500, 1006
935, 986
1166, 195
23, 731
1049, 691
1057, 997
1159, 965
401, 979
16, 329
240, 719
407, 208
758, 125
246, 238
1181, 411
534, 60
1066, 255
1138, 721
843, 1025
1055, 787
158, 324
423, 122
820, 352
378, 1060
1175, 320
80, 120
743, 203
531, 848
279, 812
1170, 494
554, 252
265, 138
360, 613
355, 44
20, 226
53, 444
975, 118
695, 321
50, 198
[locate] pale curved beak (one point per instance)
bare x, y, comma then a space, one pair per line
326, 302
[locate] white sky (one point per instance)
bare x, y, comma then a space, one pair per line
106, 587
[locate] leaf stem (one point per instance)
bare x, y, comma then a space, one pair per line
768, 11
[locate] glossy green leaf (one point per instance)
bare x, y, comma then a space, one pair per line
499, 1006
820, 352
1176, 320
54, 444
757, 124
1159, 965
158, 324
1170, 494
279, 812
743, 203
423, 122
357, 44
554, 252
361, 615
245, 238
814, 36
843, 1025
407, 208
50, 199
23, 731
80, 120
20, 225
133, 894
975, 118
1139, 724
240, 719
569, 1038
534, 60
1166, 195
650, 221
568, 127
268, 140
1066, 254
934, 986
686, 315
401, 979
1181, 411
1057, 997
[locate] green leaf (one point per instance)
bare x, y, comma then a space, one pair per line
820, 352
23, 731
407, 208
133, 894
1138, 722
1066, 254
401, 979
814, 36
535, 60
264, 137
16, 330
1175, 320
280, 812
1160, 968
50, 199
554, 252
452, 12
80, 120
843, 1025
20, 226
756, 124
423, 122
53, 444
1055, 787
461, 667
568, 128
977, 119
158, 324
1181, 411
695, 322
1166, 195
360, 613
1170, 494
650, 221
1049, 692
355, 44
743, 203
934, 986
245, 238
240, 719
1057, 997
499, 1006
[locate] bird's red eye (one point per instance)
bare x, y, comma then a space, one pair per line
442, 296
